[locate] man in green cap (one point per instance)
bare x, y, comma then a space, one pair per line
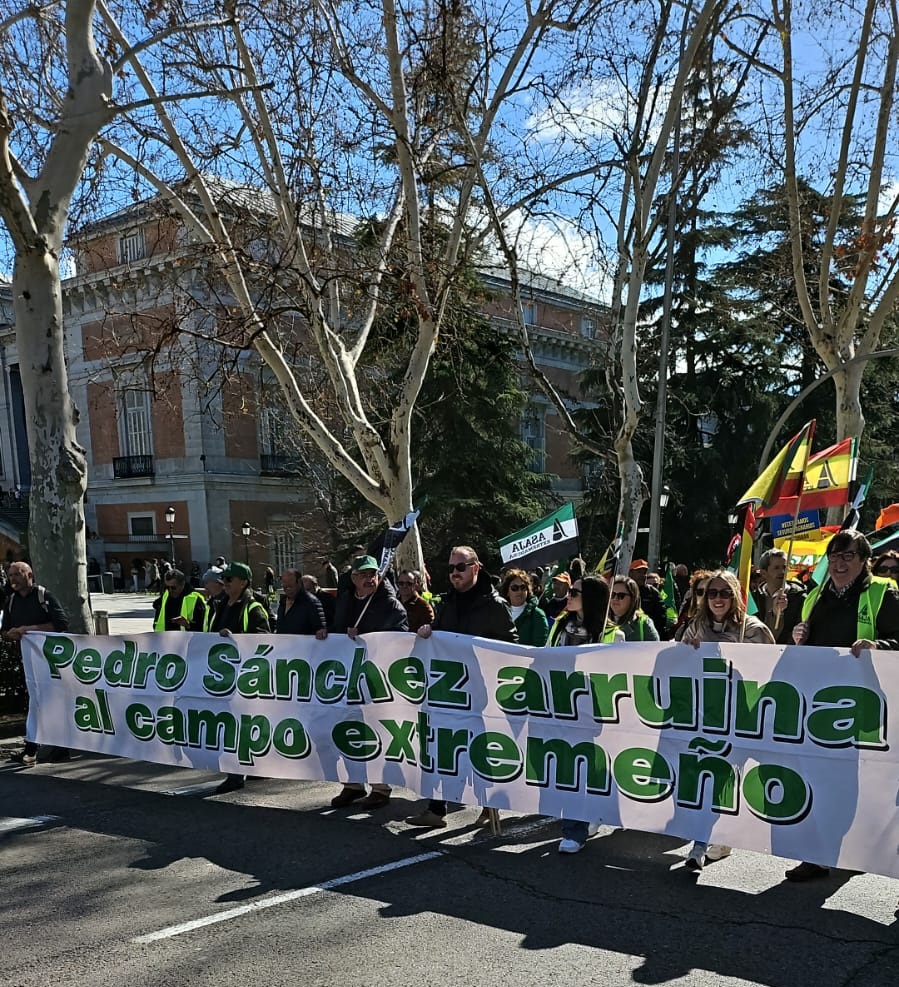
370, 606
238, 613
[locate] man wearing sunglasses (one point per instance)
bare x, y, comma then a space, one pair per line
851, 609
418, 611
472, 606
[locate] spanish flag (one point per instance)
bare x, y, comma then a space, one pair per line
783, 475
827, 479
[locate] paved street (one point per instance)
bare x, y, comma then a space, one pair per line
112, 879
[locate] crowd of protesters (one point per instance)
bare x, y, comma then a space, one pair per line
856, 606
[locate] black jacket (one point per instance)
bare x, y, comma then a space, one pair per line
833, 621
304, 617
384, 613
481, 612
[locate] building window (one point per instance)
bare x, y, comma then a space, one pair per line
529, 310
136, 436
285, 548
132, 246
275, 436
142, 524
588, 327
533, 434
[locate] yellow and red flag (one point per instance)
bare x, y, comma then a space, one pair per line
782, 477
828, 476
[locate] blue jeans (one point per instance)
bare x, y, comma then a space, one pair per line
574, 829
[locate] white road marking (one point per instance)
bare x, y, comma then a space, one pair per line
281, 899
9, 824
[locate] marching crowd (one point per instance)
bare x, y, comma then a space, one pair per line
856, 607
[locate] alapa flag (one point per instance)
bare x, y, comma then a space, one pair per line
828, 476
783, 475
552, 537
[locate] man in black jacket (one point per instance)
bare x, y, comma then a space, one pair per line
851, 609
370, 606
299, 612
473, 607
31, 608
238, 613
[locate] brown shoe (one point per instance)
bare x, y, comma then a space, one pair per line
374, 800
347, 797
427, 820
806, 872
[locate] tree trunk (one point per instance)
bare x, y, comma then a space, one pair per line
630, 499
58, 467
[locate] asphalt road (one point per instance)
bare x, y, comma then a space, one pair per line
109, 880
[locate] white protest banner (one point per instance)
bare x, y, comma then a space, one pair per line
784, 750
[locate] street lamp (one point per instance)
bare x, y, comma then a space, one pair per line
657, 507
732, 519
245, 531
664, 497
170, 520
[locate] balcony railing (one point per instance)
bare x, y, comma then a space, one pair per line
126, 467
275, 464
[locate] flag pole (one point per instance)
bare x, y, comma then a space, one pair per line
779, 616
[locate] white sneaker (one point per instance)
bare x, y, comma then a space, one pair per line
717, 851
592, 829
570, 846
696, 859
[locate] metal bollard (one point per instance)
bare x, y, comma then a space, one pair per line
101, 622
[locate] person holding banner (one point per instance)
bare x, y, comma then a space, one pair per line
852, 609
625, 612
472, 606
721, 616
239, 612
370, 607
584, 621
29, 607
530, 620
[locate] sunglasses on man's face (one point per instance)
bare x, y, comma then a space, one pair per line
460, 566
882, 570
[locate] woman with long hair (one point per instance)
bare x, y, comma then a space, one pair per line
721, 616
583, 621
625, 612
692, 601
530, 621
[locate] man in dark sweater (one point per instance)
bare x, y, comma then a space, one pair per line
371, 606
472, 606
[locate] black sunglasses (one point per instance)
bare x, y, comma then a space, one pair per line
516, 587
460, 566
620, 596
886, 568
574, 592
725, 593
